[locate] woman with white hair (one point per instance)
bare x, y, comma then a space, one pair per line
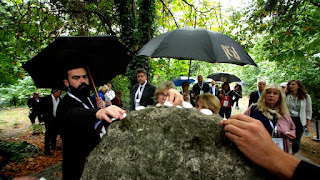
272, 111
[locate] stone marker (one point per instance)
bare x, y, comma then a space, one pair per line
169, 143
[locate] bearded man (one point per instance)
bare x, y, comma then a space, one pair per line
80, 116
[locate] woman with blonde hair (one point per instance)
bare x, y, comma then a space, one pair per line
272, 111
300, 107
208, 101
162, 91
101, 92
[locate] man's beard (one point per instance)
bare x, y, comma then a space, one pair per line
82, 91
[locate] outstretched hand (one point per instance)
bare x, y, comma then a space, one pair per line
254, 141
113, 111
174, 97
249, 134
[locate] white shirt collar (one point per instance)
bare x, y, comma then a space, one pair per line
143, 85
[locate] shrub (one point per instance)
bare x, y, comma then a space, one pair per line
18, 151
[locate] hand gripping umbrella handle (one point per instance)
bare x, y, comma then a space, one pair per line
94, 86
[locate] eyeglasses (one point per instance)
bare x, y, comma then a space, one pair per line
163, 95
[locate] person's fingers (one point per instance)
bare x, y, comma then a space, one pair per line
234, 138
106, 118
234, 130
235, 122
242, 117
174, 97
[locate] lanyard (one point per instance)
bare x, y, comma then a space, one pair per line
84, 105
274, 128
201, 85
139, 92
294, 102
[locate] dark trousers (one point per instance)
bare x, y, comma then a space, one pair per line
299, 132
225, 111
33, 115
236, 102
50, 135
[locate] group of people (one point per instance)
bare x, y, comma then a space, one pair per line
81, 116
108, 96
45, 109
285, 113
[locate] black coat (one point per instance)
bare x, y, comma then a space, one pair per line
35, 105
78, 134
254, 97
196, 88
47, 107
147, 95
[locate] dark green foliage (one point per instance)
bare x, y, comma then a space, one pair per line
19, 151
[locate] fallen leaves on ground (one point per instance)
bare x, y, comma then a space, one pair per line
34, 164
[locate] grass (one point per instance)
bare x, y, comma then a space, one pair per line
13, 117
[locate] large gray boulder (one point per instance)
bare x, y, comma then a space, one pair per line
169, 143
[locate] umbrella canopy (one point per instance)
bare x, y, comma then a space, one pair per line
105, 56
242, 83
224, 77
179, 80
198, 44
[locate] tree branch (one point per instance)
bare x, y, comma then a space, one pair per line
202, 12
170, 13
316, 4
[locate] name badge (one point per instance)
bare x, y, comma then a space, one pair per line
278, 142
137, 102
295, 113
225, 103
201, 91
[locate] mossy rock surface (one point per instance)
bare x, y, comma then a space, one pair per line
169, 143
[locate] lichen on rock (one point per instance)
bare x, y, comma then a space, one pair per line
169, 143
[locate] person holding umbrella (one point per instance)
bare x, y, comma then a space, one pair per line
79, 116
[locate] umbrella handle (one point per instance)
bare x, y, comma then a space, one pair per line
94, 86
186, 98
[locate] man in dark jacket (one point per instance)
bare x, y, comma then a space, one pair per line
49, 106
201, 87
255, 95
35, 110
80, 116
143, 92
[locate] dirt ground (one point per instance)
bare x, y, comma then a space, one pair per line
15, 126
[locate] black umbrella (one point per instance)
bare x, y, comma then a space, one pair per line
104, 56
224, 77
197, 44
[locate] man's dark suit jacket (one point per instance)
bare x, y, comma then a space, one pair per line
196, 88
254, 96
147, 95
78, 134
35, 105
47, 107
